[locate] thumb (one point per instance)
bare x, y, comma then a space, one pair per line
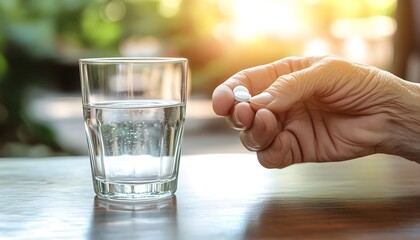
286, 91
330, 79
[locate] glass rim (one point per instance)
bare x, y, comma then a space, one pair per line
114, 60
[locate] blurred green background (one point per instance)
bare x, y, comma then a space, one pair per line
42, 40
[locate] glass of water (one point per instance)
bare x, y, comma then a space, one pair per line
134, 113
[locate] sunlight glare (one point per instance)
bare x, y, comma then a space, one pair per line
267, 18
355, 49
317, 47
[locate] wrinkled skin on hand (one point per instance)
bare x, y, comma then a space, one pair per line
322, 109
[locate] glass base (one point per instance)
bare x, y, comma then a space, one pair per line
134, 192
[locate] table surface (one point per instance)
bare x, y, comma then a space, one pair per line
226, 196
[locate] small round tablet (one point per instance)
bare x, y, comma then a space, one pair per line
242, 96
240, 89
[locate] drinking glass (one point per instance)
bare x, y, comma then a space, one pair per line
134, 114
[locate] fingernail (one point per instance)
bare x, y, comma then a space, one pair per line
233, 121
262, 99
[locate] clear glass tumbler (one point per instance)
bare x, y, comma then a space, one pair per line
134, 114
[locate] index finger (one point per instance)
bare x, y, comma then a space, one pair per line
259, 78
256, 79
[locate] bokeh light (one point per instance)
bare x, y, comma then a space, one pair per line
169, 8
113, 11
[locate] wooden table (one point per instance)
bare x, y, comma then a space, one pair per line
219, 197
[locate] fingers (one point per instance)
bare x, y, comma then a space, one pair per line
261, 134
275, 147
223, 100
239, 116
284, 151
289, 87
309, 77
285, 89
257, 80
242, 116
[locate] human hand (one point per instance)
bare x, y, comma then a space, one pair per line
321, 109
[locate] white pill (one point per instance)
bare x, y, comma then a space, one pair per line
242, 96
240, 89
